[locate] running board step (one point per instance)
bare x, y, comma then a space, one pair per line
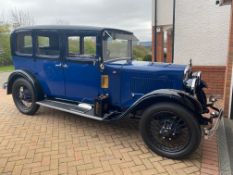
70, 108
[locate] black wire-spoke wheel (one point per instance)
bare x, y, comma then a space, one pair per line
170, 130
24, 96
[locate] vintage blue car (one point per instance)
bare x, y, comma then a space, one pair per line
90, 72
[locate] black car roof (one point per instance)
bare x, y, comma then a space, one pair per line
68, 28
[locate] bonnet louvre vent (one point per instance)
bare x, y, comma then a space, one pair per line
145, 85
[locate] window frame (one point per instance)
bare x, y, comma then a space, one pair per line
15, 47
67, 46
44, 33
81, 58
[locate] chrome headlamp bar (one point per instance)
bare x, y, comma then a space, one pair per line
191, 83
197, 74
187, 72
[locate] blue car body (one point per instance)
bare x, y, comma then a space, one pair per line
132, 80
81, 81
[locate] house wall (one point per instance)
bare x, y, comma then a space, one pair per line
164, 12
201, 32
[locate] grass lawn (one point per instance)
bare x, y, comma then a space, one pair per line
6, 68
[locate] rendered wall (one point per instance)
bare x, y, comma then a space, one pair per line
201, 32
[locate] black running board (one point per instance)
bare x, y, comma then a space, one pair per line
70, 108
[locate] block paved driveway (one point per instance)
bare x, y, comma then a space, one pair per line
54, 142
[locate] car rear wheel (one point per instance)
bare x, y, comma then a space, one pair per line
24, 96
170, 130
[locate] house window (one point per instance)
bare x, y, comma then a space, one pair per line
23, 44
48, 46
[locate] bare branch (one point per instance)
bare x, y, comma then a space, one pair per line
21, 18
2, 18
61, 21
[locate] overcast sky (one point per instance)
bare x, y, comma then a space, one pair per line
133, 15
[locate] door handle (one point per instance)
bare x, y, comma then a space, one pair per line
58, 65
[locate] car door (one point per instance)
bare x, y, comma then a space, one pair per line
82, 74
49, 70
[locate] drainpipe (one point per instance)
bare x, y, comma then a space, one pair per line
173, 31
154, 34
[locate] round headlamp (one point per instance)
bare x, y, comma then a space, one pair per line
191, 84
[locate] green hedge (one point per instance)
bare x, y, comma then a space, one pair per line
5, 53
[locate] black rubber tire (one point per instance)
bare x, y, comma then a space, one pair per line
186, 116
15, 88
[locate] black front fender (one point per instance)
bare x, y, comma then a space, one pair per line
28, 76
166, 95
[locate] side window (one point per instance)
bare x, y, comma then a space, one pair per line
89, 46
74, 46
23, 44
48, 45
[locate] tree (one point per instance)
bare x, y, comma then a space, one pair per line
139, 52
5, 56
4, 28
16, 19
147, 58
21, 18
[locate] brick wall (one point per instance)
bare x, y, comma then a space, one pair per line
161, 43
159, 47
214, 76
169, 47
153, 44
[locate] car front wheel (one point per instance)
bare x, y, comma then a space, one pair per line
170, 130
24, 96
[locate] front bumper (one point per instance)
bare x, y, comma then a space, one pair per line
214, 118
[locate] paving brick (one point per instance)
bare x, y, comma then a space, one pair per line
9, 167
3, 162
53, 142
40, 169
17, 170
209, 163
26, 172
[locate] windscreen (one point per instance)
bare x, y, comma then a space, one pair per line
117, 45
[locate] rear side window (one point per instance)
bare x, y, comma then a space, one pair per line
23, 44
48, 45
73, 46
